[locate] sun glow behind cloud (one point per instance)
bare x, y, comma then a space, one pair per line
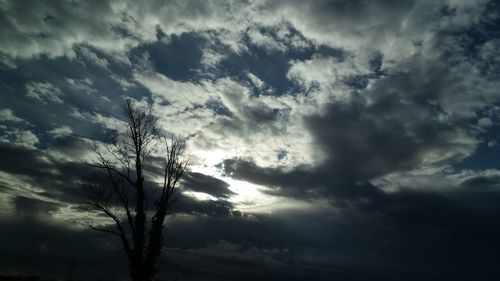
248, 197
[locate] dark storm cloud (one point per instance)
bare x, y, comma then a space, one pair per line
46, 248
390, 130
55, 245
422, 234
20, 160
69, 145
231, 261
203, 183
188, 205
32, 207
42, 175
291, 246
453, 227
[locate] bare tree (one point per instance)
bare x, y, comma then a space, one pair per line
125, 200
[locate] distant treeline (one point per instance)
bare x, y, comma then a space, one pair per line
4, 277
23, 278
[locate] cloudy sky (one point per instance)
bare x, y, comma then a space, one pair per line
330, 140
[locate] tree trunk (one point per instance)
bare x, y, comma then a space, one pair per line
154, 248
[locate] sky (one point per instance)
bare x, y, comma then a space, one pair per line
329, 140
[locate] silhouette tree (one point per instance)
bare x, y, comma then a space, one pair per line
124, 199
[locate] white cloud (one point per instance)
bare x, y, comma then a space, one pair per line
20, 137
106, 121
184, 108
7, 114
33, 28
83, 85
181, 95
44, 92
25, 138
60, 132
396, 30
92, 57
210, 58
438, 182
257, 82
329, 73
266, 41
485, 122
259, 128
123, 82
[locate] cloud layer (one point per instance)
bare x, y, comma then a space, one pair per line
330, 140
